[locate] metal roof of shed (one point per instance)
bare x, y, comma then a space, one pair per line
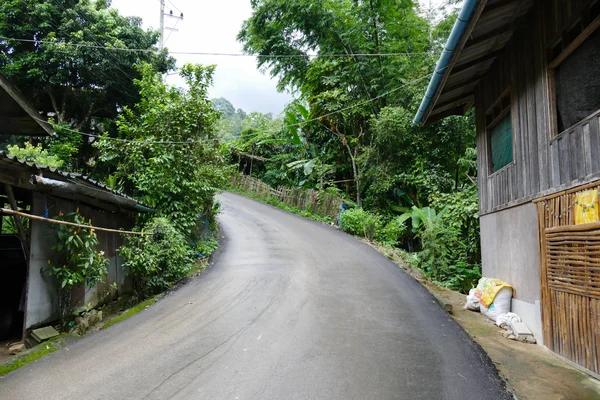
9, 163
477, 38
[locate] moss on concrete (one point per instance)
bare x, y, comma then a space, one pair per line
33, 354
130, 313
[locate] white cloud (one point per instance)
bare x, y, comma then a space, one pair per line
212, 26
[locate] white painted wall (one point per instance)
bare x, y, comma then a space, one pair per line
510, 252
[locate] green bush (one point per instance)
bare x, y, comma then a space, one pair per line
445, 252
35, 154
463, 214
158, 260
357, 221
393, 231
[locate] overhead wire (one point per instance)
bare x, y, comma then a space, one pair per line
199, 53
71, 38
252, 135
174, 6
116, 62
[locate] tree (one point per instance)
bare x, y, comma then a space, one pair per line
224, 106
357, 84
167, 152
63, 67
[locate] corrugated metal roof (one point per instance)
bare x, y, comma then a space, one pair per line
72, 177
491, 27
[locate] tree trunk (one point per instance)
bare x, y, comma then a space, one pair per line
355, 172
54, 105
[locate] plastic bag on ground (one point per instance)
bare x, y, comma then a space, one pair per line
472, 301
507, 319
500, 305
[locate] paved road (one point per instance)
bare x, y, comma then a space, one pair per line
290, 309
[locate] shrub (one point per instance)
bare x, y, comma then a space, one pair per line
75, 260
445, 254
463, 213
35, 154
358, 222
158, 260
395, 229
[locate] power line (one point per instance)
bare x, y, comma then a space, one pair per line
361, 103
174, 6
257, 134
130, 140
67, 34
199, 53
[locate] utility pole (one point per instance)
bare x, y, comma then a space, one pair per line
162, 24
163, 14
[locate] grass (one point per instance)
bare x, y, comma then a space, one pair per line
34, 354
131, 312
50, 346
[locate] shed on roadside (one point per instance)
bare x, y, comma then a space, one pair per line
28, 297
531, 68
46, 192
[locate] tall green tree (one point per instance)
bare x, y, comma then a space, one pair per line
359, 85
63, 67
167, 152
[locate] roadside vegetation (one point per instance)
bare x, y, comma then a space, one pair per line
118, 122
348, 132
350, 129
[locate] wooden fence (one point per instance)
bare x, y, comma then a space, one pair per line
320, 203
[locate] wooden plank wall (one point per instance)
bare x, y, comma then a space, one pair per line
540, 162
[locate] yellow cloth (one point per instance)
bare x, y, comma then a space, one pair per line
586, 207
488, 288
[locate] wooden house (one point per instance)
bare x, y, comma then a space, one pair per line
531, 69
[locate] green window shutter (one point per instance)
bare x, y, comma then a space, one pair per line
501, 143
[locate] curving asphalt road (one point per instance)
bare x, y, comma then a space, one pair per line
289, 309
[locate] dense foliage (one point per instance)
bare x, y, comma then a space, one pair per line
75, 82
59, 65
166, 152
351, 127
158, 260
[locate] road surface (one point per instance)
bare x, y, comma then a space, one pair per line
289, 309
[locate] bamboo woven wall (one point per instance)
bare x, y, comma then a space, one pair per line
323, 204
570, 280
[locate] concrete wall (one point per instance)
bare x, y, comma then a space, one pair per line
510, 252
42, 298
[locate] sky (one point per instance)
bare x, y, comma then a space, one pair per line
212, 26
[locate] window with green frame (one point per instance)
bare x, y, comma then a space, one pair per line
501, 143
499, 127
